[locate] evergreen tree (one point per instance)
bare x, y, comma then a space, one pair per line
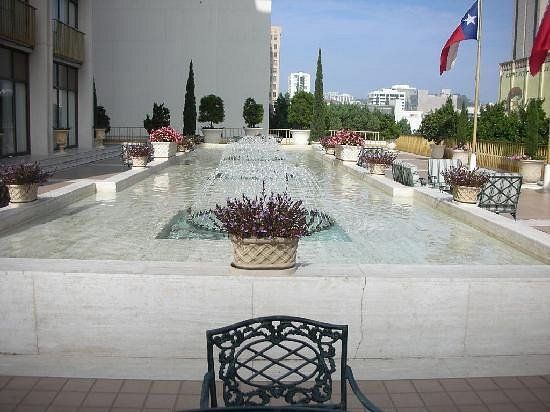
190, 105
279, 120
160, 118
404, 127
536, 124
463, 130
318, 123
300, 113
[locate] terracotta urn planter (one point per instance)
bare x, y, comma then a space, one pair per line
99, 138
164, 150
462, 155
212, 135
253, 131
253, 253
531, 170
466, 194
376, 168
300, 137
438, 151
347, 153
61, 137
140, 161
23, 193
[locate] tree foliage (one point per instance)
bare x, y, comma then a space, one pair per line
190, 105
463, 127
440, 124
404, 127
253, 113
536, 127
211, 110
318, 123
300, 113
160, 118
279, 118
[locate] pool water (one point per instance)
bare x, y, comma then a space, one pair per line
147, 222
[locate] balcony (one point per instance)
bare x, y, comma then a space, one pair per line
17, 22
68, 42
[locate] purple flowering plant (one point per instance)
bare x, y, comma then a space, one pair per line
23, 174
139, 150
460, 176
264, 217
379, 157
348, 137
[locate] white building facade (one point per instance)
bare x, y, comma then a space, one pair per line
386, 97
299, 81
143, 49
429, 102
275, 49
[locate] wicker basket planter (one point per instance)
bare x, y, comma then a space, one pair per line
531, 170
23, 193
466, 194
164, 150
253, 253
347, 153
140, 161
376, 168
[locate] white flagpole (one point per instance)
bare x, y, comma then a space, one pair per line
473, 160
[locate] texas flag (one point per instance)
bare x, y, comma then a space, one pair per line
541, 45
466, 30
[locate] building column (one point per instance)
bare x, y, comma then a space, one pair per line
85, 79
41, 82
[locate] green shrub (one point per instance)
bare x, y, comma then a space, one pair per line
300, 113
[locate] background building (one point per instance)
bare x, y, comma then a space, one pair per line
429, 102
341, 98
299, 81
387, 97
517, 85
143, 50
46, 74
275, 63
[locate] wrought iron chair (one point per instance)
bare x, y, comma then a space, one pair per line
279, 359
501, 193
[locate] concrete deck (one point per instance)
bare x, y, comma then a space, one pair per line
503, 394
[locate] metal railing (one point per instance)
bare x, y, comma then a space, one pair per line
68, 42
366, 134
285, 135
119, 135
17, 22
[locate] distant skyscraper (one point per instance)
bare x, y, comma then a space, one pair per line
275, 63
299, 82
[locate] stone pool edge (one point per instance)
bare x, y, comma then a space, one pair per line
524, 238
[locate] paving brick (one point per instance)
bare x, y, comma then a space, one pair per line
4, 381
78, 385
195, 387
184, 402
107, 385
99, 399
129, 400
520, 395
534, 381
508, 382
427, 385
465, 398
10, 396
22, 383
160, 401
436, 398
406, 400
482, 384
69, 399
399, 386
368, 387
50, 384
30, 408
455, 385
503, 407
443, 408
533, 407
39, 398
473, 408
136, 386
167, 387
542, 393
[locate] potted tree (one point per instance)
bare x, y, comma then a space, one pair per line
264, 231
253, 114
140, 154
531, 165
300, 115
160, 118
463, 132
348, 145
465, 184
165, 142
102, 125
377, 162
211, 110
23, 180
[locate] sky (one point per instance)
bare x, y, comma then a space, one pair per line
369, 44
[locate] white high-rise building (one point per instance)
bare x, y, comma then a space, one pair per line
387, 97
299, 81
342, 98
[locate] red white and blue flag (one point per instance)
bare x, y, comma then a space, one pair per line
466, 30
541, 45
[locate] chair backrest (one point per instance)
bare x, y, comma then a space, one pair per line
436, 167
405, 173
287, 359
501, 193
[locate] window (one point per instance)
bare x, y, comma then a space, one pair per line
66, 11
65, 105
14, 137
275, 46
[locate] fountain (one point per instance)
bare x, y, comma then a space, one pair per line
252, 166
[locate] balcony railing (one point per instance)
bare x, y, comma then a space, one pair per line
17, 22
68, 42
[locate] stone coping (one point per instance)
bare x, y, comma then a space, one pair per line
526, 239
16, 214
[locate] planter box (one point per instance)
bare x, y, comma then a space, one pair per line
212, 135
466, 194
300, 137
253, 131
531, 170
140, 161
438, 151
23, 193
376, 168
347, 153
163, 150
462, 155
255, 253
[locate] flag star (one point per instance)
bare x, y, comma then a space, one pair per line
470, 19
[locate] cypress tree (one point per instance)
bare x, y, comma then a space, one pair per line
190, 105
318, 123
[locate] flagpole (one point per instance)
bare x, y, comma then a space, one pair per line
473, 160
